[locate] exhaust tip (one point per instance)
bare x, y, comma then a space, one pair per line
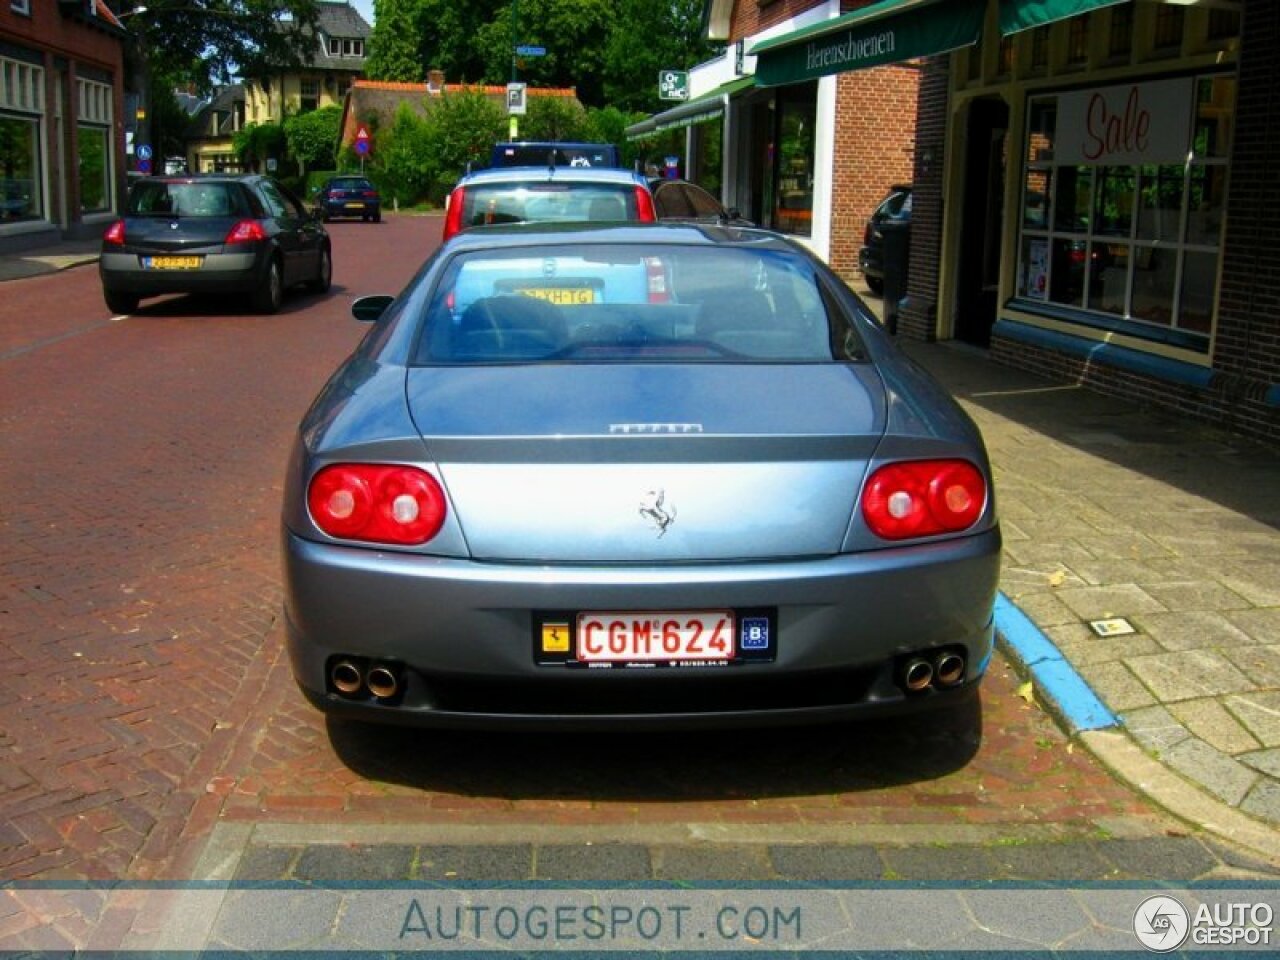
918, 675
382, 683
346, 677
949, 669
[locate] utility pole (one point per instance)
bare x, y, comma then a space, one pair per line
513, 122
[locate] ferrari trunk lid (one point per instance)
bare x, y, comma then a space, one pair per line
623, 464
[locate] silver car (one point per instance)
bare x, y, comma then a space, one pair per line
634, 475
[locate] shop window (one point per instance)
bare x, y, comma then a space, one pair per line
95, 168
1132, 247
20, 174
1167, 33
793, 169
706, 166
1120, 38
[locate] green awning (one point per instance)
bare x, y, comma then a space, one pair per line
1019, 15
887, 32
701, 109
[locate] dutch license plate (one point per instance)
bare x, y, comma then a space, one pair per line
355, 206
563, 296
619, 637
171, 263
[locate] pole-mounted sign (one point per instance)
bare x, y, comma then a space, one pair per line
516, 104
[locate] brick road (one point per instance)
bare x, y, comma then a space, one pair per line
146, 697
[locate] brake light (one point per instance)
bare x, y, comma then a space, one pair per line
453, 212
923, 497
115, 233
335, 194
867, 233
656, 280
377, 503
644, 206
246, 231
371, 194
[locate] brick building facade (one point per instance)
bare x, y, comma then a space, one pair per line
61, 120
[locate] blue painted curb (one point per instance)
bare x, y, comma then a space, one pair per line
1055, 679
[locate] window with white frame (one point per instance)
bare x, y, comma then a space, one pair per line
21, 126
20, 6
353, 48
335, 47
1123, 203
93, 144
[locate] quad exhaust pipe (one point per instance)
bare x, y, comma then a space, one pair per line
350, 679
923, 672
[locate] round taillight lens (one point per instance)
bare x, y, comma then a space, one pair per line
377, 503
922, 498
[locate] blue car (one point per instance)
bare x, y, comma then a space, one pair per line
628, 476
348, 197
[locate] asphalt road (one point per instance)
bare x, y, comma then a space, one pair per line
146, 700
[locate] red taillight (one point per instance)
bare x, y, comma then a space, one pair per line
867, 233
335, 194
656, 279
115, 233
371, 194
377, 503
923, 497
246, 231
644, 206
453, 213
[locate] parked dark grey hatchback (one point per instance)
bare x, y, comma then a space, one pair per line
213, 234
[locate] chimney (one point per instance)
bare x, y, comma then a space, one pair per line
435, 81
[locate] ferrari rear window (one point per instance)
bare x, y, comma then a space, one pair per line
629, 303
187, 198
547, 202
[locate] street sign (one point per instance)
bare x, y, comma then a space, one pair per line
516, 99
526, 51
143, 151
364, 140
673, 84
144, 166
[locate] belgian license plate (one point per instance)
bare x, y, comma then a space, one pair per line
563, 296
355, 206
171, 263
619, 637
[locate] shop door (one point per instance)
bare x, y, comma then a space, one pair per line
760, 163
978, 275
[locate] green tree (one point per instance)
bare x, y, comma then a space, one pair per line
651, 37
393, 46
574, 33
313, 136
206, 41
461, 129
403, 164
553, 118
257, 143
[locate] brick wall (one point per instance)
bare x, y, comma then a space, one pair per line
874, 148
918, 318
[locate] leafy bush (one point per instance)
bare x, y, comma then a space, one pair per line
311, 136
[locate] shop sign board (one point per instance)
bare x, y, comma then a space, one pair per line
1126, 125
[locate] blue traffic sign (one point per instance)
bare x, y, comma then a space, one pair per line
143, 151
362, 147
531, 51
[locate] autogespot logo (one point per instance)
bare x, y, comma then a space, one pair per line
1161, 923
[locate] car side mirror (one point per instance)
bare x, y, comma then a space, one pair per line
370, 309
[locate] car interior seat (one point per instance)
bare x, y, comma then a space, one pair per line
511, 327
606, 208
